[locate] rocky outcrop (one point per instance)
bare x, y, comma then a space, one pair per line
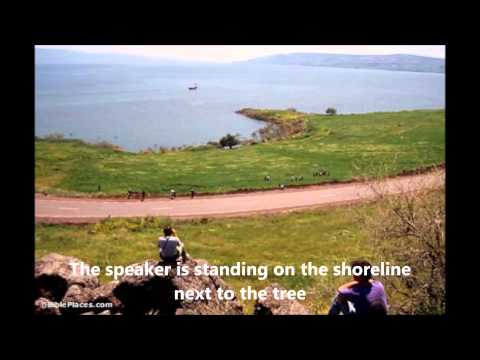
156, 294
131, 295
272, 306
141, 294
43, 306
214, 306
78, 298
54, 275
104, 294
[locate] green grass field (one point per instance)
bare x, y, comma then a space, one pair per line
323, 237
345, 145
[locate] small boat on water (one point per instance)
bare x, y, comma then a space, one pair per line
193, 87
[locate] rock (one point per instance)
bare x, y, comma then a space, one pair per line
44, 306
271, 306
180, 311
78, 294
54, 275
83, 295
104, 294
134, 294
78, 299
106, 312
153, 294
139, 293
205, 307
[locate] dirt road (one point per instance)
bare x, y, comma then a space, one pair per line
70, 210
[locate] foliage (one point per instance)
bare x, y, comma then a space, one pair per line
229, 140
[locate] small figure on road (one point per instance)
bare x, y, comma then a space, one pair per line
282, 187
173, 194
143, 195
321, 172
192, 194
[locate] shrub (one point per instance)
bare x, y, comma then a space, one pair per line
409, 229
331, 111
229, 140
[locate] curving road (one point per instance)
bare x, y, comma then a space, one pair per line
70, 210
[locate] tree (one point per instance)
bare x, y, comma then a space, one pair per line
409, 228
229, 140
331, 111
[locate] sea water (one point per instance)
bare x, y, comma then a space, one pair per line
137, 107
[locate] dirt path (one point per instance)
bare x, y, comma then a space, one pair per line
70, 210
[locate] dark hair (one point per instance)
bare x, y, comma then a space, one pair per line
167, 231
362, 263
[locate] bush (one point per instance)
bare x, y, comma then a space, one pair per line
409, 229
331, 111
229, 140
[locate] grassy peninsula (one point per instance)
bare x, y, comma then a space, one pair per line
294, 144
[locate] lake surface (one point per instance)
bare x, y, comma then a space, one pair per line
139, 107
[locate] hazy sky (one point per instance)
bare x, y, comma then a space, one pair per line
221, 53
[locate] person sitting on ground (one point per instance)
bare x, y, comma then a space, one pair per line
171, 247
362, 296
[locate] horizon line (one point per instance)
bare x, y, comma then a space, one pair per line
128, 52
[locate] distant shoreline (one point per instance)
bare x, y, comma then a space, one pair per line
390, 62
236, 64
326, 149
243, 112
